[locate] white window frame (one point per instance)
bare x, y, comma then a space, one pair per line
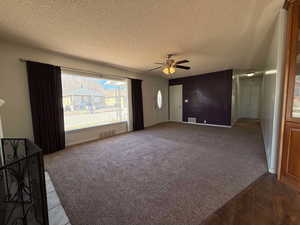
159, 106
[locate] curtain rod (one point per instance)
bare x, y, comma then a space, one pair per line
82, 71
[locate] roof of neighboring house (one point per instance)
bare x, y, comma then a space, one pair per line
82, 92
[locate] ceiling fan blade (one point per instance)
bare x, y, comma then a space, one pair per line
153, 69
183, 67
182, 61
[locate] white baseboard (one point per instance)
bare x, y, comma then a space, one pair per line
208, 124
272, 170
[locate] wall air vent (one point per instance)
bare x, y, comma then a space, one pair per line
192, 120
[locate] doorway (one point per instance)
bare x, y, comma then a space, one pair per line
175, 100
249, 106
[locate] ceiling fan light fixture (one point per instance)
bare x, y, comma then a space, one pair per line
169, 70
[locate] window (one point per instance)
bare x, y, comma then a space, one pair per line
90, 101
159, 99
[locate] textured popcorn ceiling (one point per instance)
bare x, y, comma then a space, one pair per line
214, 35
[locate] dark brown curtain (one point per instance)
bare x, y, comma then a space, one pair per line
137, 104
45, 91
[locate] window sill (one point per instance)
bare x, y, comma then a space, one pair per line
94, 127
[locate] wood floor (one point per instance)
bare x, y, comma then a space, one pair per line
266, 202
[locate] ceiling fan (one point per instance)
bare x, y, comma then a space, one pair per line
170, 65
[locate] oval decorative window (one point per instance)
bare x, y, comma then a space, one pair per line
159, 99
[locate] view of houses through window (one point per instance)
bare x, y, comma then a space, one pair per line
90, 101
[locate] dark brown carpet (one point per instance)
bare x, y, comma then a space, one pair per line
171, 173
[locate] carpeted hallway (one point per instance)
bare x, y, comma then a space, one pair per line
169, 174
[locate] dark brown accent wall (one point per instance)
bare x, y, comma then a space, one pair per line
208, 95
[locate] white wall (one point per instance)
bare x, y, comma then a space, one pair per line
235, 97
16, 113
1, 130
272, 91
246, 96
249, 93
1, 133
234, 100
93, 133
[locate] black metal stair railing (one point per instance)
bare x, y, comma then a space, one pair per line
23, 198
